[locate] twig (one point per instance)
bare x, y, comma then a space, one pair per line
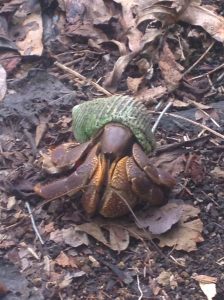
33, 223
81, 77
139, 288
169, 104
194, 123
207, 73
200, 58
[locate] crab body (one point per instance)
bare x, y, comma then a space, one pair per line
109, 165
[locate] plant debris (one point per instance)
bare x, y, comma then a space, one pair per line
57, 54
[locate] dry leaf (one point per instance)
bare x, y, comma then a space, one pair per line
134, 83
207, 284
65, 261
172, 162
40, 130
166, 278
205, 278
170, 69
218, 173
186, 234
70, 236
209, 289
195, 168
118, 236
148, 96
177, 103
200, 16
32, 43
112, 80
161, 219
3, 85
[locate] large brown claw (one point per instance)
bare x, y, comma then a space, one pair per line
157, 176
69, 185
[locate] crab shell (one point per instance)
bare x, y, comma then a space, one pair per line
89, 117
109, 166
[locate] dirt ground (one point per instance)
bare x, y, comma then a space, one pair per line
35, 114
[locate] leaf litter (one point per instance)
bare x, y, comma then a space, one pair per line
124, 33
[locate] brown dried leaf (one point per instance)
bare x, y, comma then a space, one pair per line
195, 168
70, 236
118, 236
173, 162
134, 83
111, 81
205, 278
65, 261
201, 16
160, 220
186, 234
177, 103
218, 173
31, 44
150, 95
40, 130
170, 69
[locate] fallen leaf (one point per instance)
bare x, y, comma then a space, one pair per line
195, 168
170, 69
166, 278
3, 85
31, 44
149, 96
209, 289
218, 173
134, 83
70, 236
186, 234
11, 202
112, 80
177, 103
161, 219
205, 278
49, 227
65, 260
118, 236
40, 130
173, 162
201, 16
207, 284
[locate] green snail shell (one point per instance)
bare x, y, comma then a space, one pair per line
89, 117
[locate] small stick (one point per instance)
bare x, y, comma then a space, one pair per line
208, 73
169, 104
200, 58
33, 223
81, 77
139, 288
194, 123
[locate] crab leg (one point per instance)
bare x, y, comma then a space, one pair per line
69, 185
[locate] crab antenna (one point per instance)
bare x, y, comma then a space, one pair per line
169, 104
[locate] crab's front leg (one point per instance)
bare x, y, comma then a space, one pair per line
157, 176
65, 156
74, 182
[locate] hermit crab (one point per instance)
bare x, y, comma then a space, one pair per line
108, 163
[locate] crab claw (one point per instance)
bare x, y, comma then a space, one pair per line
64, 157
71, 184
160, 177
